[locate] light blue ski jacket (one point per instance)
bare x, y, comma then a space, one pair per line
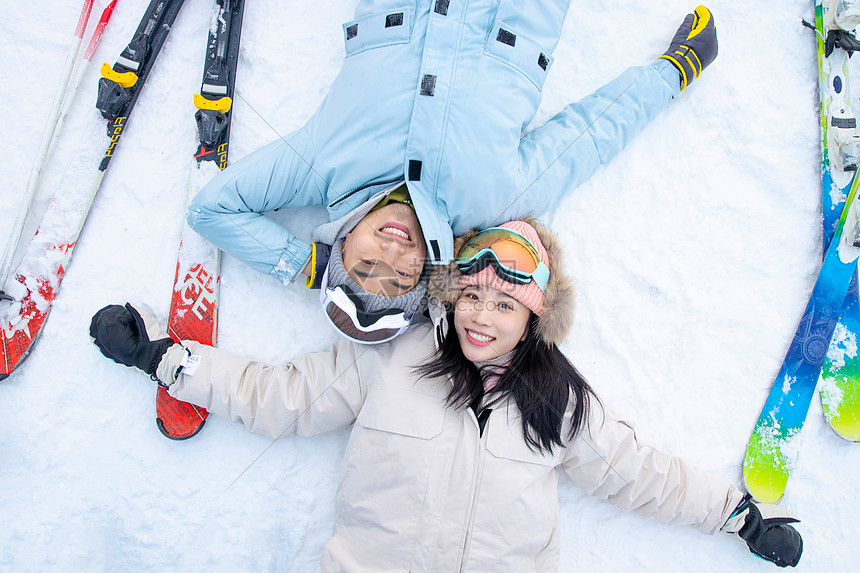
436, 92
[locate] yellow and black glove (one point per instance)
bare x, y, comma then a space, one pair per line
694, 45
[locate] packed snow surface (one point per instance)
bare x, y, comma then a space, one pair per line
694, 253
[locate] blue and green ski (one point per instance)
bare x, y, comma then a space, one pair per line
775, 440
840, 144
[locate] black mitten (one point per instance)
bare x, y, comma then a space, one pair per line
122, 334
766, 530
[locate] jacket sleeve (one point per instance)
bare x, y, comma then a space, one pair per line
316, 393
567, 150
228, 211
607, 461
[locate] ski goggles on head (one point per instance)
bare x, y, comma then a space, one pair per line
513, 257
346, 312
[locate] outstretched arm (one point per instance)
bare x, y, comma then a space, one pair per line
315, 393
229, 210
608, 461
566, 151
556, 158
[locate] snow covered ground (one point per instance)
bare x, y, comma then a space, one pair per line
694, 253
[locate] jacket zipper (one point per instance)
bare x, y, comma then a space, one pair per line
473, 505
349, 194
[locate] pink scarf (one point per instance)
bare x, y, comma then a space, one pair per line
496, 367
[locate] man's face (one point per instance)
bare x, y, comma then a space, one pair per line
385, 252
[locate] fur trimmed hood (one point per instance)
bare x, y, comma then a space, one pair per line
556, 318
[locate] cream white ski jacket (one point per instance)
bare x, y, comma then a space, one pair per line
422, 488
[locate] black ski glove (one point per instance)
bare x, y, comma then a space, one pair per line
766, 531
694, 45
122, 335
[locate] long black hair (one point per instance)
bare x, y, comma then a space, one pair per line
539, 378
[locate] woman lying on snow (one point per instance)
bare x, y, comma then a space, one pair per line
459, 425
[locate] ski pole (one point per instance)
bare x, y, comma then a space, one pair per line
48, 133
79, 73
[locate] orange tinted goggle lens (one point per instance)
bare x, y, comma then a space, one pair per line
514, 255
511, 249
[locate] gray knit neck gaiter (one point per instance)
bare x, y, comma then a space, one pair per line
412, 301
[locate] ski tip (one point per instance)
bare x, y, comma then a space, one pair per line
176, 419
765, 469
840, 398
763, 484
849, 433
764, 494
173, 435
3, 377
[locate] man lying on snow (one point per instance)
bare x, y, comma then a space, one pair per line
421, 137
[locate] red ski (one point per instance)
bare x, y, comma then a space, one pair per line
31, 290
194, 304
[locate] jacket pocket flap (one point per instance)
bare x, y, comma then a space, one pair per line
401, 411
378, 29
505, 440
518, 51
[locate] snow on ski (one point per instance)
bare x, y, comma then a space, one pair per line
775, 439
840, 143
194, 303
48, 135
38, 277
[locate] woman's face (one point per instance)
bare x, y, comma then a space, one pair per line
489, 323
